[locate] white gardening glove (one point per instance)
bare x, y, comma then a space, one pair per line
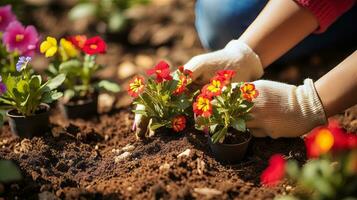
283, 110
236, 55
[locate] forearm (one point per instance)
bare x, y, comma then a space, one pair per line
338, 88
280, 26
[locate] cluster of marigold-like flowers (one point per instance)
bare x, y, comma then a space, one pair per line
203, 104
162, 74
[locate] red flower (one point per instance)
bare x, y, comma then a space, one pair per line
202, 106
94, 45
162, 72
274, 172
185, 71
179, 123
324, 139
136, 86
78, 40
181, 85
226, 74
248, 91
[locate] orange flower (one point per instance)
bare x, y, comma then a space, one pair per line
136, 86
179, 123
248, 91
202, 106
181, 85
78, 40
274, 172
214, 88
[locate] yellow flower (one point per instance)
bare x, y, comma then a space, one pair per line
49, 46
67, 49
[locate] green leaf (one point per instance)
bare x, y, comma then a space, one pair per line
238, 124
55, 82
72, 67
35, 82
22, 86
9, 171
156, 125
82, 10
109, 86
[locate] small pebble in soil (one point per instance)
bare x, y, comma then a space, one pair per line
185, 153
200, 166
208, 192
164, 167
23, 147
128, 147
122, 156
46, 195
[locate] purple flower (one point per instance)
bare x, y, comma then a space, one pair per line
22, 63
2, 87
6, 17
21, 39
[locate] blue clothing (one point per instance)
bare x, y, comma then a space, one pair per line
219, 21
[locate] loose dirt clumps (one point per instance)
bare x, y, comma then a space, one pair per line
101, 158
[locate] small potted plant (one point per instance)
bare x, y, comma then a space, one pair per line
75, 57
166, 99
221, 110
26, 96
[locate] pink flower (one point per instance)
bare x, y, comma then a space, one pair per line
6, 17
21, 39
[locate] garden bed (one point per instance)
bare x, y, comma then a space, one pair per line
85, 158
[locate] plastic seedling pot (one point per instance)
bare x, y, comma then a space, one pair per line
80, 107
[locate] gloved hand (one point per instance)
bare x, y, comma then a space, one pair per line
236, 55
283, 110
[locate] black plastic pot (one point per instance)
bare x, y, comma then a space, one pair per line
27, 127
230, 153
80, 108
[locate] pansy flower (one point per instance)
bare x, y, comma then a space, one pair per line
20, 38
22, 63
94, 45
202, 106
248, 91
178, 123
49, 47
6, 17
136, 86
162, 72
78, 40
274, 172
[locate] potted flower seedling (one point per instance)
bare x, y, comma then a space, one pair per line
221, 110
165, 97
26, 98
76, 57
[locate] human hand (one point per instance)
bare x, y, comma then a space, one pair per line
283, 110
236, 55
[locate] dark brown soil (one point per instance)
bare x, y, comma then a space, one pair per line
81, 159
